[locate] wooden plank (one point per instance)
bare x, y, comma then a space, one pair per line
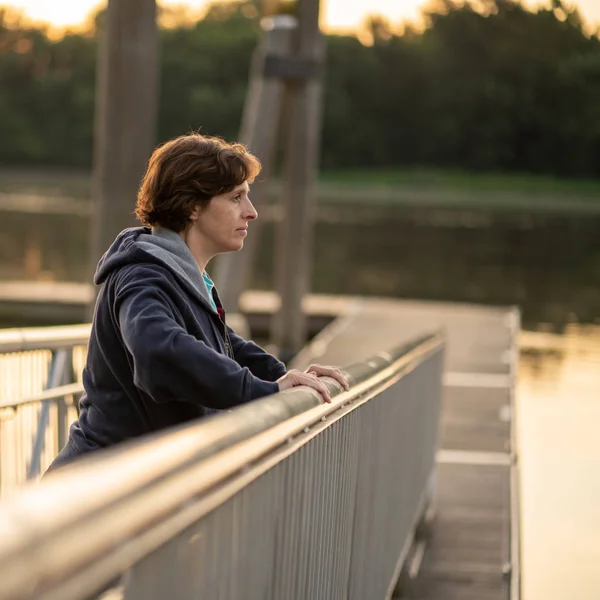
46, 292
479, 337
469, 546
475, 419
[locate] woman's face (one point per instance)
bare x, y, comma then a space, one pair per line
223, 224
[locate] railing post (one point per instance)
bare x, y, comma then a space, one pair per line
61, 360
259, 131
295, 232
61, 404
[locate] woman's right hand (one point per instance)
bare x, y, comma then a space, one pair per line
294, 378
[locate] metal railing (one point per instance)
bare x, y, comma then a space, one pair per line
515, 591
40, 381
285, 497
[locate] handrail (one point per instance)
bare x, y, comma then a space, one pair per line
40, 366
514, 486
43, 338
54, 393
163, 475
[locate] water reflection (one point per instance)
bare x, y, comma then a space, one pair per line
410, 252
500, 259
559, 415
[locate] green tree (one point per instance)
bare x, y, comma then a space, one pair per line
492, 87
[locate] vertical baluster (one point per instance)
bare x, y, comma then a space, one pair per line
56, 374
3, 396
61, 403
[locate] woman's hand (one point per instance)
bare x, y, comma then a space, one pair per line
333, 372
310, 378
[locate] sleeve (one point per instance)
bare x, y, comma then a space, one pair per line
169, 364
250, 355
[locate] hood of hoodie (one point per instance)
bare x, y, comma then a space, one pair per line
161, 246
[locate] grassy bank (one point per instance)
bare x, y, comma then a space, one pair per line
456, 189
420, 187
461, 181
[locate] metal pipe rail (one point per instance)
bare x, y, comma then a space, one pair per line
52, 393
40, 382
44, 338
285, 497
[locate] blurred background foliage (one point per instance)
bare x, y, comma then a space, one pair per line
485, 87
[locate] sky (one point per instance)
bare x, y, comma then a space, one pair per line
337, 14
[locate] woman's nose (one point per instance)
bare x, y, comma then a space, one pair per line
251, 213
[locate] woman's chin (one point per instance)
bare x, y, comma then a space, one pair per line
235, 246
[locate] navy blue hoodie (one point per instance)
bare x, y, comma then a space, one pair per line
159, 354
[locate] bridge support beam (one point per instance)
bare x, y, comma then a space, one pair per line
260, 122
295, 235
126, 109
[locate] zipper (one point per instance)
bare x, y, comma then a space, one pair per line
226, 338
221, 314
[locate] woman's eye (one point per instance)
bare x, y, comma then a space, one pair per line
237, 198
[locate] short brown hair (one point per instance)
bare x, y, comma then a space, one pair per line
188, 171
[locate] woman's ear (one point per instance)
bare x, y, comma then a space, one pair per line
195, 213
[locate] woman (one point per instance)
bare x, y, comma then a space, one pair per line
160, 352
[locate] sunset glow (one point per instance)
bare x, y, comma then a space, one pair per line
337, 14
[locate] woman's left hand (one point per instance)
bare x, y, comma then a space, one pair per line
333, 372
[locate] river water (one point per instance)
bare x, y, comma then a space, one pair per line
558, 399
548, 264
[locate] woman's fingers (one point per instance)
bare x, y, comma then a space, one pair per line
333, 372
313, 381
294, 378
310, 378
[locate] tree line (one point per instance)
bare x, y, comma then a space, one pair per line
495, 87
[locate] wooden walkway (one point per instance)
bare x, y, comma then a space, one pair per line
473, 550
474, 537
43, 303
